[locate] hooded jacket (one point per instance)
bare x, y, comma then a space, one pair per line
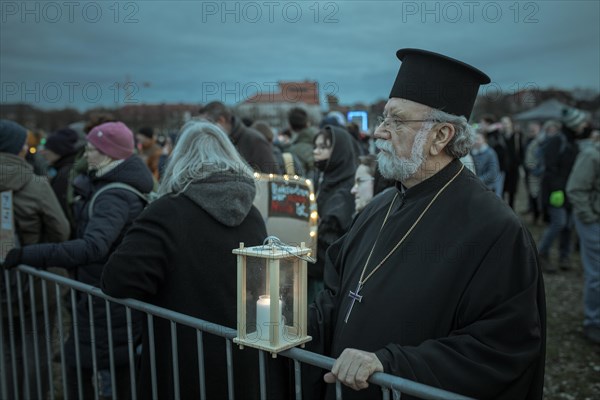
96, 238
335, 203
37, 214
177, 255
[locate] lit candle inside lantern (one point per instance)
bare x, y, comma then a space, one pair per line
263, 316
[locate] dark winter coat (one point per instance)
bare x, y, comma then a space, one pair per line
178, 256
97, 237
60, 179
335, 203
560, 152
253, 146
495, 139
513, 160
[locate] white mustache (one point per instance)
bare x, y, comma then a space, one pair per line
384, 145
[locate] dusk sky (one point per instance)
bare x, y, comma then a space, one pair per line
80, 54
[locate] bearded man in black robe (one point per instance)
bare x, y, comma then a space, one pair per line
437, 281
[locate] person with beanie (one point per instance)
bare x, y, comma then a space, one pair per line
560, 152
38, 219
149, 150
110, 156
61, 151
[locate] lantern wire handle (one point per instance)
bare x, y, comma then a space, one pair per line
275, 241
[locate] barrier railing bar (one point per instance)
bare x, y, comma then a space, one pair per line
152, 356
111, 348
26, 392
230, 390
201, 371
35, 337
61, 336
130, 348
175, 359
381, 379
93, 346
75, 333
11, 334
261, 375
298, 379
48, 339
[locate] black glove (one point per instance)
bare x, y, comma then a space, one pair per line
13, 258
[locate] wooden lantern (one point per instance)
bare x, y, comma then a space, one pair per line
271, 271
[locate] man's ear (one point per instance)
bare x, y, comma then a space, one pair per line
444, 133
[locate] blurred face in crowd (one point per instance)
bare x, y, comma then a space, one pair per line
402, 139
533, 129
363, 187
507, 125
479, 141
322, 149
143, 140
94, 157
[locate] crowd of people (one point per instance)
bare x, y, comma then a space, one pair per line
454, 271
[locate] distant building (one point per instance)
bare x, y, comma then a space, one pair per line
162, 117
273, 107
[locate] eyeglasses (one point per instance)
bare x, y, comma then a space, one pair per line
359, 181
394, 124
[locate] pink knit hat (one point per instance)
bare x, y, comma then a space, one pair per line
114, 139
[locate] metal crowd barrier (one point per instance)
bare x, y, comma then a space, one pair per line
391, 386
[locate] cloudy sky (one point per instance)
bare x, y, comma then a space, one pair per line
85, 54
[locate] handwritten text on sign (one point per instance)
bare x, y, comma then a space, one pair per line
288, 199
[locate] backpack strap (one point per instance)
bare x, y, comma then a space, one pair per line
114, 185
288, 163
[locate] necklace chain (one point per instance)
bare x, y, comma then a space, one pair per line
361, 281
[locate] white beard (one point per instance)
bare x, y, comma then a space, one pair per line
398, 168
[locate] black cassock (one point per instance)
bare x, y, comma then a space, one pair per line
459, 305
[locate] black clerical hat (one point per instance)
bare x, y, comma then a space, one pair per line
437, 81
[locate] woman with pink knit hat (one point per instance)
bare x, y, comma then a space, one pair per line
100, 228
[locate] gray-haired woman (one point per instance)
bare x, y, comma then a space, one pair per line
178, 255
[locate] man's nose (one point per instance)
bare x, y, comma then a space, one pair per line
381, 133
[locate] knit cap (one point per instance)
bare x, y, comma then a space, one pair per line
572, 117
12, 137
114, 139
62, 142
